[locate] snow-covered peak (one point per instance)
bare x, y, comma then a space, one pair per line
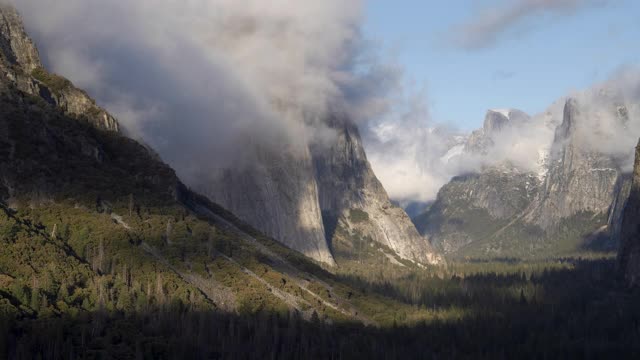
504, 112
455, 151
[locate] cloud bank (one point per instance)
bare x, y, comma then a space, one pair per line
609, 117
414, 156
208, 82
493, 24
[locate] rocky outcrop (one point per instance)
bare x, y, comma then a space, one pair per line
616, 211
277, 194
347, 183
573, 203
21, 64
629, 251
495, 121
579, 179
16, 46
299, 199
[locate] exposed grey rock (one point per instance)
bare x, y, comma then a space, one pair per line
578, 183
291, 197
495, 121
17, 48
278, 195
578, 180
346, 182
629, 252
20, 63
616, 211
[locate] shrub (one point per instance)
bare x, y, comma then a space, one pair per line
54, 82
358, 216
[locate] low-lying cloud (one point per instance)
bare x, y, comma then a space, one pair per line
609, 117
207, 82
415, 156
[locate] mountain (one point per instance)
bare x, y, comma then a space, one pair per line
302, 199
277, 194
494, 122
571, 201
473, 207
629, 251
94, 223
578, 179
352, 198
21, 64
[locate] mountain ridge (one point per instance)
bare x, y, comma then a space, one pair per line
277, 194
554, 204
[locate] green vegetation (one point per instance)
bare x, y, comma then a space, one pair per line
569, 238
54, 82
105, 254
358, 216
565, 309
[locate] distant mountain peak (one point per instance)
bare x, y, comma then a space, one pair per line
496, 119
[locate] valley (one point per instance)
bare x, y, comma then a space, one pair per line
210, 219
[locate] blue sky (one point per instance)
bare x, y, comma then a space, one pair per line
546, 52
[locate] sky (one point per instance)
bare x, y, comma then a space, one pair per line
530, 53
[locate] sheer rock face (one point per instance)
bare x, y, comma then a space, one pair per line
291, 198
17, 48
278, 195
629, 252
474, 206
616, 211
346, 182
20, 63
578, 180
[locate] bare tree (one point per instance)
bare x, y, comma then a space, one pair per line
101, 255
168, 232
131, 205
54, 231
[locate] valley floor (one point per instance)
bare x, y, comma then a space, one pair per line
566, 308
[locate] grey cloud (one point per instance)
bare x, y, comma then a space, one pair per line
491, 25
206, 82
415, 156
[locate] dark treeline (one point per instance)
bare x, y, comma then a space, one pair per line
578, 312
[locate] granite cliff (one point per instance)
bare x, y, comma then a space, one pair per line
281, 194
571, 203
21, 65
629, 251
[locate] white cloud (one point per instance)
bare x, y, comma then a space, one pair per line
414, 156
205, 82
